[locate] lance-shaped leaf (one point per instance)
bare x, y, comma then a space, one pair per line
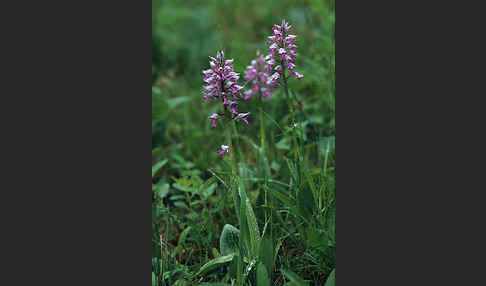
215, 263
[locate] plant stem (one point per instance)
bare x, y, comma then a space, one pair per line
230, 144
262, 126
292, 113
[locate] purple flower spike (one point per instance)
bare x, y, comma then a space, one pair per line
243, 116
257, 75
213, 119
221, 81
282, 51
224, 150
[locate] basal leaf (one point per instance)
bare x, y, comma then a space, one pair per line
214, 264
228, 241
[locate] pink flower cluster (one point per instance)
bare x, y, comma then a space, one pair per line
282, 53
221, 81
256, 74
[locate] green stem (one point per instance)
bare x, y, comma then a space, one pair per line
230, 145
292, 113
262, 124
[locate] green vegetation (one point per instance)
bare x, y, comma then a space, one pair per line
272, 222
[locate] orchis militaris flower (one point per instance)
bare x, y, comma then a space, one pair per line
221, 82
257, 75
243, 116
213, 119
282, 51
224, 150
221, 79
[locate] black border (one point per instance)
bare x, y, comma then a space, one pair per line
77, 137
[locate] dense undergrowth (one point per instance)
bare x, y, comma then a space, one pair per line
271, 221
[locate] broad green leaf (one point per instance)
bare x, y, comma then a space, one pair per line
275, 166
253, 228
228, 241
215, 253
180, 204
331, 280
326, 144
214, 264
316, 239
294, 278
182, 188
182, 240
162, 190
157, 166
305, 202
285, 199
262, 275
312, 186
267, 253
183, 236
210, 190
283, 144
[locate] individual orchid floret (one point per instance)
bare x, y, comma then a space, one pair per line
243, 116
273, 80
282, 51
257, 75
224, 150
213, 119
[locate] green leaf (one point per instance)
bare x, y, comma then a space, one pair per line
267, 253
180, 204
305, 202
214, 264
262, 275
157, 166
179, 187
294, 278
283, 144
210, 190
228, 241
331, 280
316, 239
215, 253
162, 190
192, 216
326, 145
285, 199
253, 228
183, 236
275, 166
